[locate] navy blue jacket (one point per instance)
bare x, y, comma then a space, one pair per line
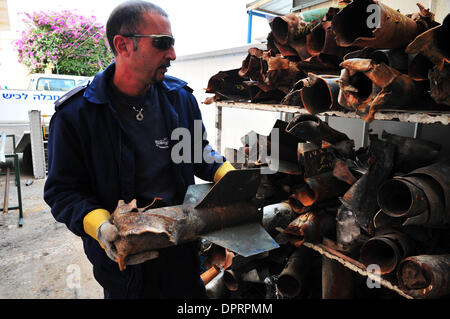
91, 166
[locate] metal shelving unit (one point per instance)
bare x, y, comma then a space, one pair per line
328, 249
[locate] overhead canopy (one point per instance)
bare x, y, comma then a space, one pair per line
274, 7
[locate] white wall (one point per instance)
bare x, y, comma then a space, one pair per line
197, 70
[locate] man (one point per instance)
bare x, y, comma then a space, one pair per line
110, 141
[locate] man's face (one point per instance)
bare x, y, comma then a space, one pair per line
149, 63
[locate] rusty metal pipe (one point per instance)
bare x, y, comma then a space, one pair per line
291, 279
401, 198
293, 26
386, 251
352, 28
322, 95
425, 276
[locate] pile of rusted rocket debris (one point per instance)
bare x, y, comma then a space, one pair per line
361, 56
385, 205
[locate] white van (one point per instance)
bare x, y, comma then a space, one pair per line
56, 82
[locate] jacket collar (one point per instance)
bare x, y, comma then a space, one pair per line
96, 92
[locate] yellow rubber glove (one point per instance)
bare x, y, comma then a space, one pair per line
93, 220
222, 170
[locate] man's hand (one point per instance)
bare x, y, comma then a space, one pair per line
107, 233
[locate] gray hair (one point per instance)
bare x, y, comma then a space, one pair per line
126, 17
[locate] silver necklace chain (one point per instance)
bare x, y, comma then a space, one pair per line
139, 115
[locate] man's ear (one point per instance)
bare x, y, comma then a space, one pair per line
122, 44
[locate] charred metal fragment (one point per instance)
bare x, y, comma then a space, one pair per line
433, 44
260, 92
316, 162
282, 73
418, 67
227, 85
412, 153
254, 66
440, 84
310, 128
425, 276
394, 30
361, 196
311, 227
277, 215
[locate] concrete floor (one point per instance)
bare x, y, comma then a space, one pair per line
42, 259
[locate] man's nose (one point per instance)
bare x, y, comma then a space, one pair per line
170, 54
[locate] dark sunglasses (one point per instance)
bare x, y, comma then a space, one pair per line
161, 42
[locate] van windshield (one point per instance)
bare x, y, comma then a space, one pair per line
49, 84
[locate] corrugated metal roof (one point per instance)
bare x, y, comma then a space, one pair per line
278, 7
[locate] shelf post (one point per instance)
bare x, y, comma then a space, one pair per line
218, 125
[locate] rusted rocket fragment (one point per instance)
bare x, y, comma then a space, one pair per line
292, 279
321, 93
290, 30
277, 215
433, 44
433, 181
395, 58
310, 128
425, 276
320, 188
370, 23
418, 67
216, 213
227, 85
261, 92
311, 227
285, 50
440, 84
322, 39
360, 199
367, 86
254, 65
387, 250
343, 172
282, 73
316, 162
280, 139
294, 26
412, 153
